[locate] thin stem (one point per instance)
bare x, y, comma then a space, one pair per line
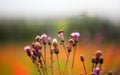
58, 64
64, 48
74, 52
52, 64
84, 68
45, 54
92, 67
67, 61
42, 68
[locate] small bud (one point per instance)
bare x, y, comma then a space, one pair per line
82, 58
98, 53
69, 48
81, 73
93, 60
101, 60
109, 73
51, 50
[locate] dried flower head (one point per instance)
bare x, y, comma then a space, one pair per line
98, 53
61, 35
38, 38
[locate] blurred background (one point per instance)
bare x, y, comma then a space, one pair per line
98, 22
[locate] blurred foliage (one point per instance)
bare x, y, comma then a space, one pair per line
25, 30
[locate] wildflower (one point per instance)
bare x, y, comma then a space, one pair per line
97, 70
61, 35
56, 50
49, 40
36, 46
38, 38
55, 44
75, 36
27, 49
44, 38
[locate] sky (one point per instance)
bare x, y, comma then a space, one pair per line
58, 8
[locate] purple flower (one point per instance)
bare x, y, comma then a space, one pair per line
61, 35
27, 48
49, 40
97, 70
44, 38
75, 36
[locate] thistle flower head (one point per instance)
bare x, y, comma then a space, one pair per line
75, 36
38, 38
44, 38
55, 43
49, 40
82, 58
27, 49
51, 50
69, 47
37, 46
61, 35
98, 53
97, 70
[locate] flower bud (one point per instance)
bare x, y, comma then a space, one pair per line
101, 60
82, 58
